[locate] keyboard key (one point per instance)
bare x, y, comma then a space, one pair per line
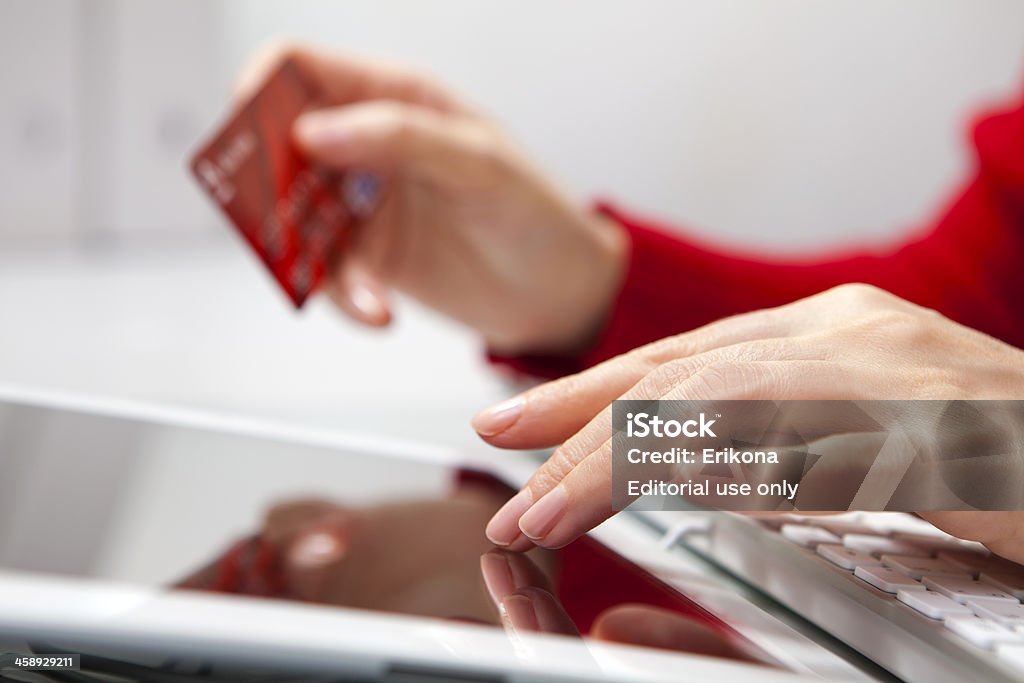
931, 604
1008, 614
886, 580
916, 567
984, 634
963, 590
880, 545
807, 536
845, 557
1011, 583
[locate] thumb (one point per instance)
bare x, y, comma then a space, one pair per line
389, 136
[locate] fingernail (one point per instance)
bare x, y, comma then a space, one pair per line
503, 528
521, 544
316, 550
497, 575
316, 130
500, 417
539, 520
519, 613
366, 302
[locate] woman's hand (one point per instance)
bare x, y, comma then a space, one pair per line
465, 224
851, 342
383, 557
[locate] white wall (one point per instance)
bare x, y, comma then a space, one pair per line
38, 117
150, 84
102, 99
784, 122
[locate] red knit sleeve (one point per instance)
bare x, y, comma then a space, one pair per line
966, 264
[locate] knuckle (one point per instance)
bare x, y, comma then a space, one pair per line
895, 328
860, 295
666, 377
660, 346
712, 381
662, 350
561, 463
637, 361
560, 391
720, 379
947, 384
648, 357
737, 361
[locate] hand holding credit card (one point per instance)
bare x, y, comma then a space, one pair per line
291, 212
460, 219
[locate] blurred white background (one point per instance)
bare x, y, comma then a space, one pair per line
786, 124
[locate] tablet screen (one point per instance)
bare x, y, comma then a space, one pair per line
341, 525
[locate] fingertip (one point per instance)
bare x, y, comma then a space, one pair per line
497, 419
503, 528
520, 423
550, 615
541, 417
497, 575
519, 613
520, 545
552, 542
371, 309
319, 133
582, 500
359, 301
537, 522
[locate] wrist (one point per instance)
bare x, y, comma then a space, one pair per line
588, 276
611, 256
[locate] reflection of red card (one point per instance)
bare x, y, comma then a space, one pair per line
289, 211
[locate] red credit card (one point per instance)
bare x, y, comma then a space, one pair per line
288, 210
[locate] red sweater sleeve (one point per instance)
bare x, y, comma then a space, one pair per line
966, 264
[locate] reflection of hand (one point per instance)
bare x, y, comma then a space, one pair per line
385, 557
526, 601
523, 594
466, 225
852, 342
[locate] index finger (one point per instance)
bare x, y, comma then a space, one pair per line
572, 492
345, 78
552, 412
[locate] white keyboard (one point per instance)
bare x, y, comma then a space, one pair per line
925, 606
